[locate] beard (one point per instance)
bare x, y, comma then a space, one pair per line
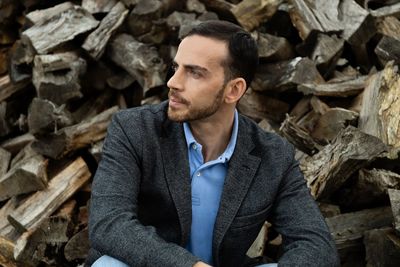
192, 112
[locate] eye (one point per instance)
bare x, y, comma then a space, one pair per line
195, 74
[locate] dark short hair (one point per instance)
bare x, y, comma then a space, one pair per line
243, 52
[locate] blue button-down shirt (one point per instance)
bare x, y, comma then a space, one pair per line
207, 182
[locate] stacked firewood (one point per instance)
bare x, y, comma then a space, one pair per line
328, 82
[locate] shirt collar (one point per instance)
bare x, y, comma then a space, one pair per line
227, 154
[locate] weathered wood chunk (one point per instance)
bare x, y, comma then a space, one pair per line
78, 246
45, 14
380, 249
96, 42
7, 88
74, 137
54, 231
392, 10
15, 144
281, 76
380, 113
56, 76
316, 16
195, 6
251, 13
394, 195
389, 26
138, 59
299, 136
44, 116
259, 106
5, 159
331, 122
343, 88
327, 170
388, 49
348, 229
27, 176
42, 204
99, 6
140, 20
273, 48
47, 35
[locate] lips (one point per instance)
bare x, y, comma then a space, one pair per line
176, 101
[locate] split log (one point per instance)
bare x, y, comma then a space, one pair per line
389, 26
6, 254
48, 35
7, 88
331, 123
392, 10
388, 49
5, 159
5, 127
78, 246
22, 54
380, 249
281, 76
259, 106
394, 195
13, 145
56, 76
93, 106
138, 59
299, 136
195, 6
324, 50
273, 48
99, 6
96, 42
130, 3
334, 88
23, 155
359, 26
257, 248
27, 176
45, 14
42, 204
380, 113
140, 19
370, 188
120, 80
317, 16
348, 229
54, 231
251, 13
221, 7
181, 22
327, 170
74, 137
44, 116
301, 108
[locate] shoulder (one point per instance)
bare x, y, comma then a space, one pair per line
265, 142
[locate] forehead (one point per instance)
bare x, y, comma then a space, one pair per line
201, 50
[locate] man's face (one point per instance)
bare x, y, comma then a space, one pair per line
197, 86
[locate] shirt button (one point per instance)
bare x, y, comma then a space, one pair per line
198, 174
194, 146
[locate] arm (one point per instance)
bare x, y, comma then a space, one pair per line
114, 228
306, 237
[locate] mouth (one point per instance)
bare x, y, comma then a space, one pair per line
176, 102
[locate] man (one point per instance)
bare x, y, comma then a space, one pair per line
190, 182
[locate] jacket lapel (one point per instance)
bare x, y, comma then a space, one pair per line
242, 168
176, 168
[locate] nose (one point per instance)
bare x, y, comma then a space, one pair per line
176, 80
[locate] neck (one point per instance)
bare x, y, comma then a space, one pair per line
214, 132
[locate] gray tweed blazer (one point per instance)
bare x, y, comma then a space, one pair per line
140, 208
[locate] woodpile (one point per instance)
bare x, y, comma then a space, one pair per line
328, 82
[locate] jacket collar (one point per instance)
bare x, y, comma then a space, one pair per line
242, 168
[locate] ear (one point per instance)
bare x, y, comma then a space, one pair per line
235, 89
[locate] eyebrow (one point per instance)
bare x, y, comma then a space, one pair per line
190, 66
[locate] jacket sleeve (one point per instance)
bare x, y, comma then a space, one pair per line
296, 216
114, 228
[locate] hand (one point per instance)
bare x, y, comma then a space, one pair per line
201, 264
